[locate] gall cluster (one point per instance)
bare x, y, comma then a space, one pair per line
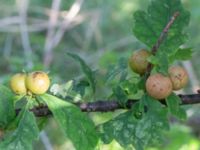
35, 82
157, 85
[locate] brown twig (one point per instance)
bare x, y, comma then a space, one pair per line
160, 40
106, 106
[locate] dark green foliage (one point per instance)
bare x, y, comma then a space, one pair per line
149, 25
128, 129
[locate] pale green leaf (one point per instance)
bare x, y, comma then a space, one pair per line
74, 123
7, 112
23, 136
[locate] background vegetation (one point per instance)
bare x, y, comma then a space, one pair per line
100, 32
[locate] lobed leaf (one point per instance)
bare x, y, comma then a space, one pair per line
149, 25
129, 129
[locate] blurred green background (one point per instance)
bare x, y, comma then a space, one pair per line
36, 35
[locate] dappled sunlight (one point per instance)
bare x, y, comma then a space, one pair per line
112, 146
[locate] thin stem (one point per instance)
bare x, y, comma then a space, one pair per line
162, 37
